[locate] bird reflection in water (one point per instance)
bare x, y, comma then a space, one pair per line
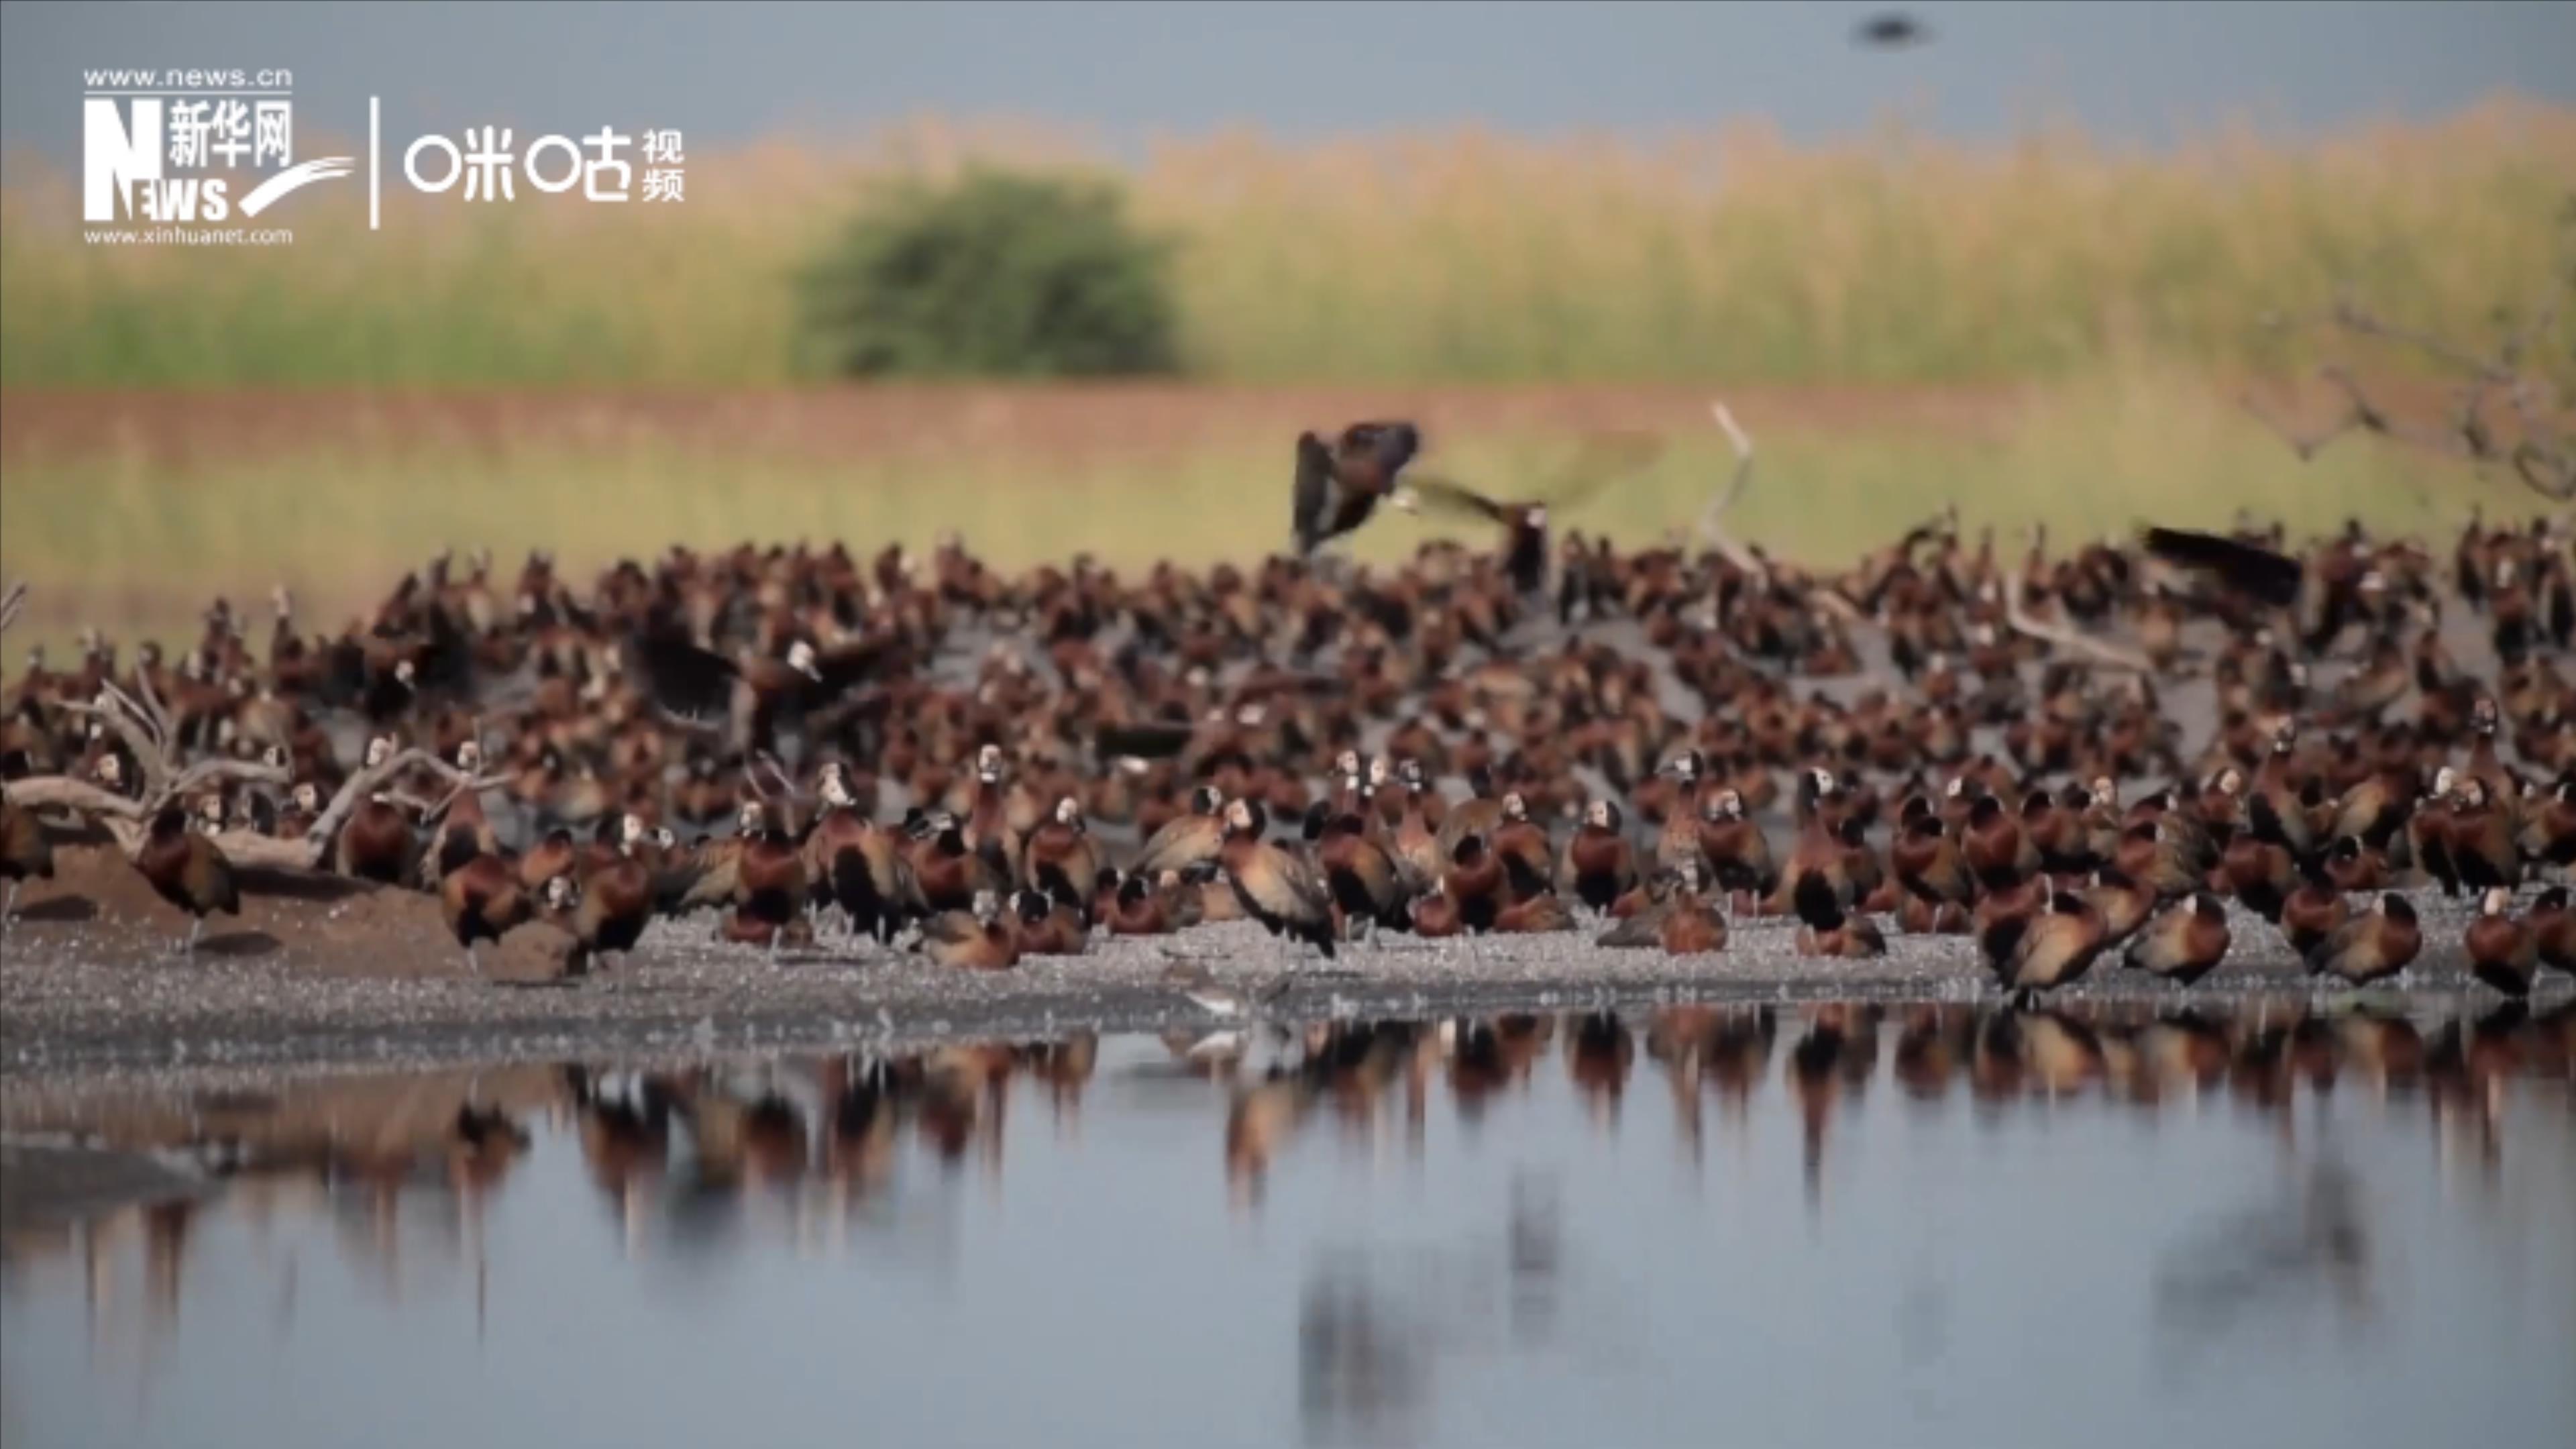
701, 1160
1374, 1323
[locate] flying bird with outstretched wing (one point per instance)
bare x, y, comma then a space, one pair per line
1602, 459
1340, 484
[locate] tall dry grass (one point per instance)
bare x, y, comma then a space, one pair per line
1433, 257
119, 525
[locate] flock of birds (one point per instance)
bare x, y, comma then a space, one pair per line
1657, 746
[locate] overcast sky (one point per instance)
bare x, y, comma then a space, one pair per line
1124, 71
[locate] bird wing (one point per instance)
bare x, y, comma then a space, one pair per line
1152, 740
1314, 489
1601, 459
683, 678
1179, 845
1457, 498
2236, 565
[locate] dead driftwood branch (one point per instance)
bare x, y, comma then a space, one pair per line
1712, 519
2101, 653
2543, 456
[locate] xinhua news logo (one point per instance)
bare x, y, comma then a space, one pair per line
185, 156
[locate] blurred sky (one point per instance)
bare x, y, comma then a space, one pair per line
724, 72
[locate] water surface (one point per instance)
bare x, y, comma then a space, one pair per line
1821, 1225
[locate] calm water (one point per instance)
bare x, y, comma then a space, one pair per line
1826, 1226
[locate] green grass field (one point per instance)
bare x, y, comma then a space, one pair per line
139, 533
1450, 257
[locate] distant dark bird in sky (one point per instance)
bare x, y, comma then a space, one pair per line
1891, 31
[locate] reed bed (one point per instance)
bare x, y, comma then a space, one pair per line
1440, 257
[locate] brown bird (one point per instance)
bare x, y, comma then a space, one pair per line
1047, 926
2185, 942
2378, 943
188, 870
2123, 904
1926, 860
2553, 930
1599, 866
376, 844
1826, 929
1367, 889
26, 852
971, 940
1279, 889
769, 882
1141, 908
2311, 913
2503, 952
616, 901
1192, 840
1340, 484
482, 898
1681, 923
2047, 949
1059, 857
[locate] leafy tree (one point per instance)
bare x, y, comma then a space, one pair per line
994, 275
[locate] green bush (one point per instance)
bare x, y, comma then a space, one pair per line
993, 275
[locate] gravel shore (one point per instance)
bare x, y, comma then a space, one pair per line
65, 1010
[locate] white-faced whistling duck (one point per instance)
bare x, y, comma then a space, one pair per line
1339, 485
2376, 944
769, 882
2428, 832
616, 899
2045, 949
1046, 926
1059, 856
481, 898
2503, 952
1827, 928
2553, 930
1599, 866
1368, 890
1278, 888
1680, 922
1524, 557
26, 852
2183, 943
947, 872
976, 939
188, 870
2482, 839
1188, 841
2316, 910
1141, 908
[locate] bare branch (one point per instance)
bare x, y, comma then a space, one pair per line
1712, 518
360, 786
62, 792
13, 603
220, 772
251, 850
2543, 458
128, 726
2100, 652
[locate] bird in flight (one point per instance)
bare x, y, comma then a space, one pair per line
1891, 31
